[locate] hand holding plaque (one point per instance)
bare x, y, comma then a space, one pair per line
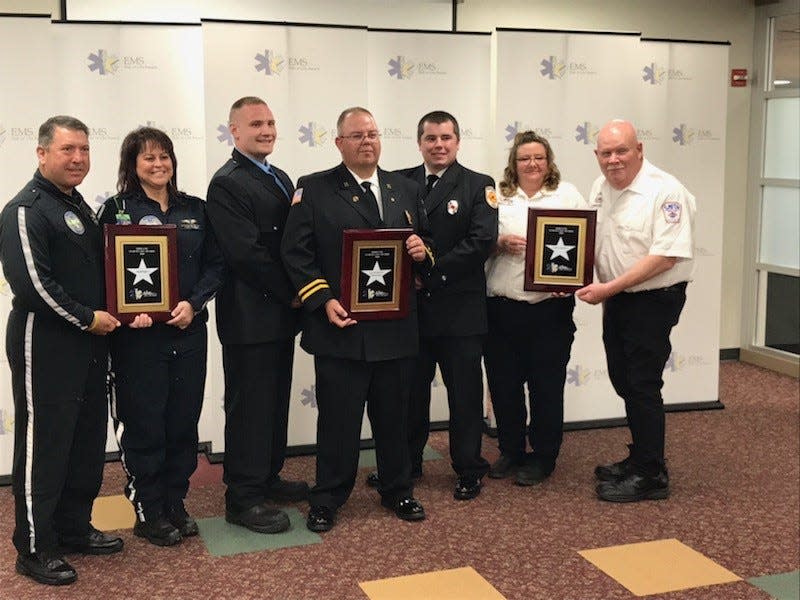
141, 267
559, 256
376, 273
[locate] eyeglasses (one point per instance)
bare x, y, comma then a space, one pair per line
361, 136
521, 160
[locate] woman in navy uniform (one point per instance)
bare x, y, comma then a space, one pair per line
160, 372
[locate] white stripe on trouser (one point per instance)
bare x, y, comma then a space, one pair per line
29, 430
34, 275
119, 430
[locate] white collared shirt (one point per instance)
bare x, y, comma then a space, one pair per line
505, 273
653, 216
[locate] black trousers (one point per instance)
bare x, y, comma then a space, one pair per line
529, 344
58, 379
159, 381
343, 386
636, 329
258, 379
459, 360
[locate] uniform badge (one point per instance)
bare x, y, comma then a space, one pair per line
74, 223
408, 218
672, 212
452, 206
491, 197
123, 218
149, 220
298, 196
189, 224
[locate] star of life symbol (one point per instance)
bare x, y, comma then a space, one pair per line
376, 274
103, 62
142, 272
224, 135
313, 134
559, 249
400, 67
552, 68
269, 62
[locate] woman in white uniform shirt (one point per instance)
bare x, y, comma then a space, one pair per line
530, 333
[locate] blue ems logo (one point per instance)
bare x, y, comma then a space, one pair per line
578, 375
401, 68
103, 62
586, 133
269, 62
682, 135
312, 134
512, 129
552, 68
224, 135
309, 396
653, 74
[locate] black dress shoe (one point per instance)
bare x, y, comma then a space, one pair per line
157, 531
408, 508
181, 521
94, 542
614, 471
283, 490
467, 488
503, 467
534, 471
260, 518
373, 480
634, 487
321, 518
50, 570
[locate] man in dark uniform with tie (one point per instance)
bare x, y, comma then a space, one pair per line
356, 362
257, 318
52, 253
452, 300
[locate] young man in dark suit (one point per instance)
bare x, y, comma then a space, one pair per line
452, 300
356, 362
257, 320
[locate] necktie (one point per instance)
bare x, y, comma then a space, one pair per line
370, 197
278, 181
432, 179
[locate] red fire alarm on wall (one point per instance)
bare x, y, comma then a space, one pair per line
738, 77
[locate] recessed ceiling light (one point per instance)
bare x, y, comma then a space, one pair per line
781, 82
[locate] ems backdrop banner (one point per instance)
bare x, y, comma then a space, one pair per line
412, 73
117, 78
681, 96
297, 72
565, 86
307, 75
26, 51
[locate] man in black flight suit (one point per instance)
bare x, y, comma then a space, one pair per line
248, 201
356, 362
52, 253
452, 300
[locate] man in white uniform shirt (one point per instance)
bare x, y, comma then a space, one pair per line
644, 259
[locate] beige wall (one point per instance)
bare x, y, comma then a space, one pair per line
717, 20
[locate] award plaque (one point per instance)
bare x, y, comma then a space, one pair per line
376, 273
141, 270
559, 255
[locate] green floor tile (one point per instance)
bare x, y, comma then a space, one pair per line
223, 539
785, 586
366, 458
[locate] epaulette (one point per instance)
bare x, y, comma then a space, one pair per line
28, 196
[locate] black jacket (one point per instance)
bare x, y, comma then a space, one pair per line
464, 228
248, 212
201, 268
329, 203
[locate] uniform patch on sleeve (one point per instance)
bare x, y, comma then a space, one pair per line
491, 196
672, 212
298, 195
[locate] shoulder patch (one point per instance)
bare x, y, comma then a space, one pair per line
491, 196
298, 196
672, 212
